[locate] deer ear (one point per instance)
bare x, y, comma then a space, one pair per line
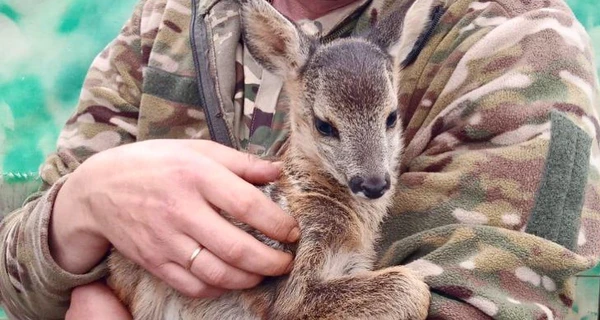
274, 41
401, 32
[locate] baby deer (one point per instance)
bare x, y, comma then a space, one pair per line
339, 175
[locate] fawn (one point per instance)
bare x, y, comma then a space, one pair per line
339, 175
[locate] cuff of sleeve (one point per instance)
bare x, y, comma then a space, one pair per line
52, 276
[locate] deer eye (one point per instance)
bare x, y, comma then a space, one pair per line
325, 128
391, 120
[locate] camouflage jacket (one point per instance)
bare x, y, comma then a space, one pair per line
498, 205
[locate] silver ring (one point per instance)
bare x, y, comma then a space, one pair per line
193, 257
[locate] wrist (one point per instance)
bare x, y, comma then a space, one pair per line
75, 241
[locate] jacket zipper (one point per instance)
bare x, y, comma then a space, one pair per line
214, 117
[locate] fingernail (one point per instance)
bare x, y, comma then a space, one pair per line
294, 235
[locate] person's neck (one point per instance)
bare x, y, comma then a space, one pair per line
308, 9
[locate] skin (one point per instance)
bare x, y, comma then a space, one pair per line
96, 302
303, 9
99, 206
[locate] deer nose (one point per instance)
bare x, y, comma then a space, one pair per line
372, 187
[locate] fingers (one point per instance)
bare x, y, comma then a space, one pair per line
244, 165
248, 204
240, 198
185, 282
213, 271
234, 246
96, 301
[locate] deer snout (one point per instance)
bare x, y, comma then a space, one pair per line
372, 187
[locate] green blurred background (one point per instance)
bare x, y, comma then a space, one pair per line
46, 48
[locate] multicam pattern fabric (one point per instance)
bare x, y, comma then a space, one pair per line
501, 102
498, 205
488, 107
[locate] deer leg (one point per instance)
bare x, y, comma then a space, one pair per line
392, 293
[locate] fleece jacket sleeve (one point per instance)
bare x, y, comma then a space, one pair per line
498, 204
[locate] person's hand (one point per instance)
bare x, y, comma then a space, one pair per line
96, 301
156, 201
